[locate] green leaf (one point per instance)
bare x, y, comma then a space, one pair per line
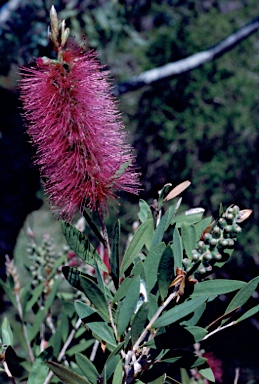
163, 193
123, 167
110, 366
83, 310
217, 287
191, 216
39, 369
100, 282
116, 350
56, 340
201, 226
249, 313
123, 289
39, 318
197, 332
115, 255
82, 346
242, 296
94, 294
159, 380
145, 211
93, 227
163, 226
66, 375
117, 377
179, 311
87, 368
184, 377
35, 296
207, 373
152, 305
102, 332
139, 322
51, 297
128, 306
177, 248
9, 293
189, 235
81, 246
72, 276
151, 265
196, 316
7, 334
140, 238
165, 271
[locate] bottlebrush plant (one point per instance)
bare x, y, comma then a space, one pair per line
134, 316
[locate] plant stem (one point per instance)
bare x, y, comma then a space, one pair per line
63, 350
94, 350
7, 371
154, 318
237, 373
111, 320
219, 329
25, 333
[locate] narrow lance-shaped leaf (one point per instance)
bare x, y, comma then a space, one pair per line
139, 322
66, 375
93, 227
7, 334
217, 287
110, 367
115, 254
163, 226
87, 367
179, 311
190, 217
81, 246
83, 310
243, 295
94, 294
189, 238
117, 377
39, 370
145, 211
128, 306
143, 233
207, 373
248, 314
151, 264
72, 275
165, 272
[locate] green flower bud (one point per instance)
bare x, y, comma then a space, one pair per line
218, 256
213, 242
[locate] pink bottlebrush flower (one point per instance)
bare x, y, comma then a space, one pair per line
74, 124
215, 365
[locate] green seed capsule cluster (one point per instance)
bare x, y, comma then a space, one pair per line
212, 246
42, 258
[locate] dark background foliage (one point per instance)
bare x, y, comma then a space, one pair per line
201, 126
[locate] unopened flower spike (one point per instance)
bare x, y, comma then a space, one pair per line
74, 123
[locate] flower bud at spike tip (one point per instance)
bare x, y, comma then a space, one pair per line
77, 130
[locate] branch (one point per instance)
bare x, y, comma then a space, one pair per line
7, 10
191, 62
154, 318
219, 329
63, 350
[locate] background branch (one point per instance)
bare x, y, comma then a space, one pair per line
191, 62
